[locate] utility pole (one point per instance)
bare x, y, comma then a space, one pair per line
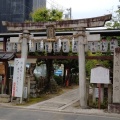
70, 12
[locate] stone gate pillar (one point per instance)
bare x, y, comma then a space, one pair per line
116, 76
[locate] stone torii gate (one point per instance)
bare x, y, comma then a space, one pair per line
79, 25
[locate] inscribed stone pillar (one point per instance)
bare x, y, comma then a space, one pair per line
116, 76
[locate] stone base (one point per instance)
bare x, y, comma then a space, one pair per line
4, 98
114, 108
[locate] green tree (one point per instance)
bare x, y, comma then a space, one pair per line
92, 63
44, 14
115, 21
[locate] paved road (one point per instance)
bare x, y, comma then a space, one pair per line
65, 103
26, 114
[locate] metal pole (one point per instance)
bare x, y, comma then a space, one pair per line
24, 52
70, 13
82, 75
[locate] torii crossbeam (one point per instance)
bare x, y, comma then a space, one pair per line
64, 24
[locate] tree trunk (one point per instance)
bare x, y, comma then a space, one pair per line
50, 71
64, 75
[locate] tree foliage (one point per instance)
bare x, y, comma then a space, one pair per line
92, 63
44, 14
115, 21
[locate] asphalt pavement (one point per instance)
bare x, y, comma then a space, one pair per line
67, 103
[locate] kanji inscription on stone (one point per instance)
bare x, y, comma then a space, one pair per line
50, 32
116, 76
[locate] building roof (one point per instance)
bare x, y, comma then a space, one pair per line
106, 32
6, 56
103, 32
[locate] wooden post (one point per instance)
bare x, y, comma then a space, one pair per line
109, 93
99, 100
4, 44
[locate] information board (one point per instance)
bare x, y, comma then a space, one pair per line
100, 75
18, 77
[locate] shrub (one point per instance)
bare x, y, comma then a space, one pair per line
58, 79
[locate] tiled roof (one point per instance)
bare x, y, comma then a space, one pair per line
7, 56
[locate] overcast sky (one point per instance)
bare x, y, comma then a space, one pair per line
87, 8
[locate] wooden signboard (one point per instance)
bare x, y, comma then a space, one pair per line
2, 69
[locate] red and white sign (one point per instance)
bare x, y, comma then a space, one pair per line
18, 77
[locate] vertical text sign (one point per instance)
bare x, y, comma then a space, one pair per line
17, 85
116, 76
50, 32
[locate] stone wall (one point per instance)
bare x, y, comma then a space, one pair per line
36, 86
114, 108
4, 98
